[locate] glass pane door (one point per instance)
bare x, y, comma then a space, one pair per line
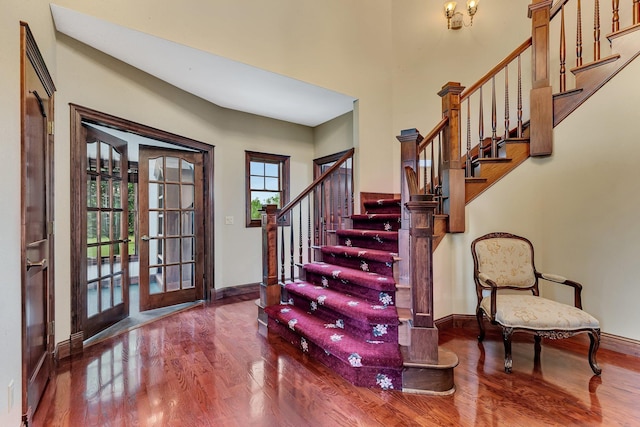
106, 231
171, 260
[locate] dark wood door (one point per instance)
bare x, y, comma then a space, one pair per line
170, 196
37, 224
105, 231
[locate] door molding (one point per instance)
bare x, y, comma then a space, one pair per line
80, 114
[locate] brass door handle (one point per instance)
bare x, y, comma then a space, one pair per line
42, 263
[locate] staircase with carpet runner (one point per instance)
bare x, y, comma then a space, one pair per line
342, 312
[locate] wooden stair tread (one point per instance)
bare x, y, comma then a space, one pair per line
567, 93
404, 314
594, 64
492, 160
446, 359
623, 32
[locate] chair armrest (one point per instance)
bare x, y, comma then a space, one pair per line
577, 287
486, 278
494, 291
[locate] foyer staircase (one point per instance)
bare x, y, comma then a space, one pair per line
363, 305
342, 311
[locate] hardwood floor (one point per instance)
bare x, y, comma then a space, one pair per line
207, 366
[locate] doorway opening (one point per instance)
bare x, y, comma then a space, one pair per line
143, 208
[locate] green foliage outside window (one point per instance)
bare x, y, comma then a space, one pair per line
256, 205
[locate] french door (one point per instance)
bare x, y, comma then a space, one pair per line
105, 228
171, 225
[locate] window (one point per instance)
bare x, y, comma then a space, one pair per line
267, 182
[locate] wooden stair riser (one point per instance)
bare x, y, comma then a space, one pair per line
517, 152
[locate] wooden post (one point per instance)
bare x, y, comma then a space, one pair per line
424, 334
453, 189
269, 287
409, 141
541, 124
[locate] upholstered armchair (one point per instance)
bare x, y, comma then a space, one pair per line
503, 261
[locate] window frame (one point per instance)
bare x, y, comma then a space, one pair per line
284, 164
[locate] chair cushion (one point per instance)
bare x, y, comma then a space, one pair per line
506, 261
537, 313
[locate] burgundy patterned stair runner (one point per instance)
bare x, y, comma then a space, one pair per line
343, 313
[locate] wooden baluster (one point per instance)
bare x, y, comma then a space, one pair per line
308, 229
281, 250
331, 211
494, 119
432, 167
323, 212
636, 12
615, 23
579, 36
345, 211
481, 128
291, 247
596, 31
563, 53
468, 171
424, 171
441, 200
300, 233
519, 97
506, 102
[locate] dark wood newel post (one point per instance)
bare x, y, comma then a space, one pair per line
269, 287
452, 173
541, 124
409, 141
424, 334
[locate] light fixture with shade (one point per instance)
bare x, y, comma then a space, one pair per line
455, 19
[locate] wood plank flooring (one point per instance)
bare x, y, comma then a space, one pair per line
207, 366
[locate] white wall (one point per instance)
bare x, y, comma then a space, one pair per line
334, 136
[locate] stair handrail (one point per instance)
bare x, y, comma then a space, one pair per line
495, 70
316, 182
433, 134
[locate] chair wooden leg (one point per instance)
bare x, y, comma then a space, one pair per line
536, 351
480, 324
506, 338
594, 337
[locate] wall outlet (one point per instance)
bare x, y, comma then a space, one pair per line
10, 393
228, 220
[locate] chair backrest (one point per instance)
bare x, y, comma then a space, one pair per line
507, 259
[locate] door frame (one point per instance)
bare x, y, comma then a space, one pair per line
80, 114
30, 53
